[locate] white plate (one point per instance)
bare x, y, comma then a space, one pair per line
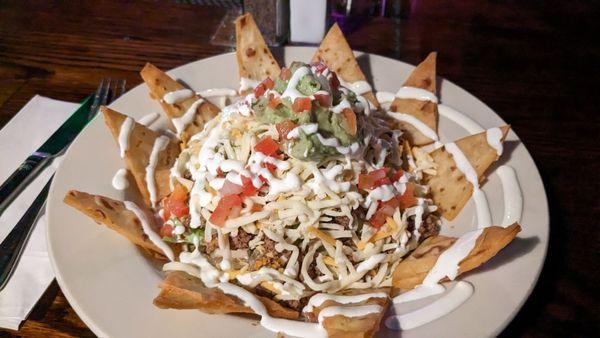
110, 284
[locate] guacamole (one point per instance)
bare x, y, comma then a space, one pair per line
273, 108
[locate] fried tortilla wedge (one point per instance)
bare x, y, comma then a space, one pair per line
424, 77
181, 290
160, 84
113, 214
340, 326
338, 56
413, 270
450, 189
137, 156
254, 58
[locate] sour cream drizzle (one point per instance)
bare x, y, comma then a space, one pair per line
441, 307
124, 132
320, 298
246, 83
308, 129
160, 143
494, 139
178, 96
119, 181
152, 235
447, 263
358, 87
148, 119
415, 93
212, 92
291, 91
446, 266
461, 119
181, 122
415, 122
513, 197
350, 312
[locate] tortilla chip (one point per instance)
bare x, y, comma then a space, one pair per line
113, 214
340, 326
180, 290
450, 189
424, 77
413, 270
160, 84
141, 141
338, 56
254, 58
356, 327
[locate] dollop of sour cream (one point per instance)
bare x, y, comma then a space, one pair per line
120, 181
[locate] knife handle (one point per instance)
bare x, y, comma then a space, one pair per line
27, 171
12, 246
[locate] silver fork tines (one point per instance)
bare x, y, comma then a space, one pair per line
105, 94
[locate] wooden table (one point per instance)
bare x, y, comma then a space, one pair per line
535, 65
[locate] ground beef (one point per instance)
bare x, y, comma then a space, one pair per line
266, 255
297, 305
269, 245
312, 270
429, 226
360, 213
342, 220
240, 241
211, 246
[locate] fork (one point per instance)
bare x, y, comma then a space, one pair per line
12, 247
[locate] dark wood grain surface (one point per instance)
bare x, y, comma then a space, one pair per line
533, 62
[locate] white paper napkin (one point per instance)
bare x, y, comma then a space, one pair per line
23, 134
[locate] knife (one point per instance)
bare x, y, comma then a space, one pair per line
14, 243
37, 161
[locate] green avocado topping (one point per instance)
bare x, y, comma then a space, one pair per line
330, 124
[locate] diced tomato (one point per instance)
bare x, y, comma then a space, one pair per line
285, 74
176, 203
271, 167
166, 230
220, 173
228, 207
248, 188
384, 210
283, 128
263, 86
256, 207
273, 101
230, 188
334, 82
323, 99
269, 84
267, 146
378, 219
350, 116
407, 199
382, 181
166, 214
397, 175
301, 104
370, 180
259, 90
